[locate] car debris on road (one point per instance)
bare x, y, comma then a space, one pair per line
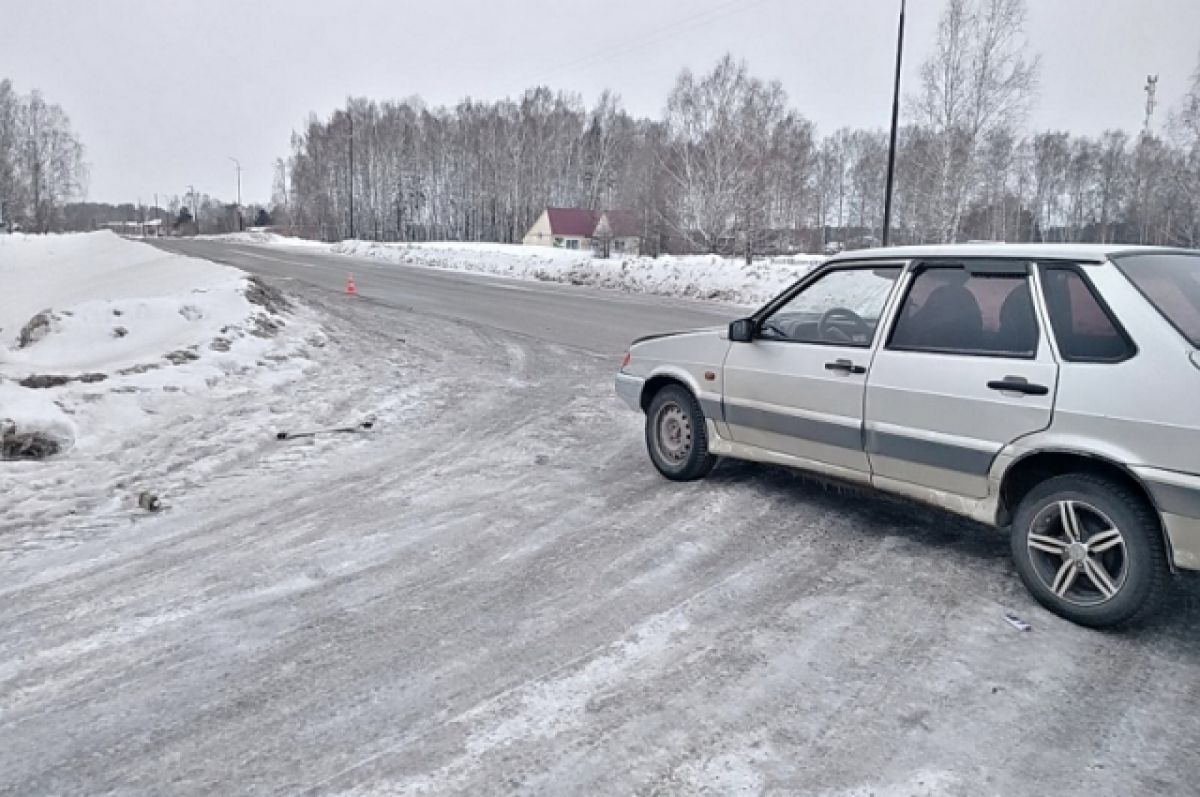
364, 425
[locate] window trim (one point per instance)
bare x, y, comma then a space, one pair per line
986, 267
812, 278
1131, 345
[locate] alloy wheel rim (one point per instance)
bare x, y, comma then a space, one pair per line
1078, 553
673, 432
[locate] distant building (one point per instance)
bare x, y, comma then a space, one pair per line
151, 228
617, 231
603, 231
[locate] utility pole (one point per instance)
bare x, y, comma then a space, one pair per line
238, 168
195, 210
1151, 89
891, 167
350, 116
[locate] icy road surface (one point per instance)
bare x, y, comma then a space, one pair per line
494, 593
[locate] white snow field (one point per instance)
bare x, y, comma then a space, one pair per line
131, 348
685, 276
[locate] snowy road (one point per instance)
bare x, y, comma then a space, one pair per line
596, 320
494, 593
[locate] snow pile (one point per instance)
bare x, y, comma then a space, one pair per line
690, 276
258, 236
99, 335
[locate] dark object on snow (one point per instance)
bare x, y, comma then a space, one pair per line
120, 332
1017, 622
34, 330
181, 356
265, 296
265, 326
138, 369
57, 380
149, 501
26, 445
367, 424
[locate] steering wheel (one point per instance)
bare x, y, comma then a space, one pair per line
834, 323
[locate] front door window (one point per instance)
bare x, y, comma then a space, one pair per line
841, 308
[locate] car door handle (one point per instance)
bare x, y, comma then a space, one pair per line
845, 366
1018, 384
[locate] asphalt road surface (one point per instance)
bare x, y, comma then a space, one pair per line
494, 593
596, 320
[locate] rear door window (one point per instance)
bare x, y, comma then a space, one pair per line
1084, 328
951, 310
1172, 284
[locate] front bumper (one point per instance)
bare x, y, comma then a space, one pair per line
629, 388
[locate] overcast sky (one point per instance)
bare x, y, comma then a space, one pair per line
162, 94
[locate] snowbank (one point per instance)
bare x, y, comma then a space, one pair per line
261, 237
97, 333
691, 276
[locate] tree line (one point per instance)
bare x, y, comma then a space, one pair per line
41, 161
731, 166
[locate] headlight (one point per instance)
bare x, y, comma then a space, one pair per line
626, 360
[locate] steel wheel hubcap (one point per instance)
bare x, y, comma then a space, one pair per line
673, 431
1078, 553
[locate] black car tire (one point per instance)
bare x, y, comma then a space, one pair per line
1103, 580
676, 437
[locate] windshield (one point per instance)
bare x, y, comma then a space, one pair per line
1172, 284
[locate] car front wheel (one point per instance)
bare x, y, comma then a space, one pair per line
676, 436
1090, 549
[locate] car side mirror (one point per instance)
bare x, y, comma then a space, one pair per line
742, 330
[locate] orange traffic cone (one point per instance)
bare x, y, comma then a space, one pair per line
350, 289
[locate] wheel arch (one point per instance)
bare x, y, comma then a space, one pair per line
662, 377
1034, 467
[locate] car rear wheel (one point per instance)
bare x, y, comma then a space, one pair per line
1090, 549
676, 436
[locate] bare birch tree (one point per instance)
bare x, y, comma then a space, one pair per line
977, 80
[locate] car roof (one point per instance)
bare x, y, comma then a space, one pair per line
1086, 252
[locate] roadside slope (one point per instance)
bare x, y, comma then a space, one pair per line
118, 364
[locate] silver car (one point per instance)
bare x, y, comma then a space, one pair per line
1052, 389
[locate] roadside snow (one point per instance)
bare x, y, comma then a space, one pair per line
129, 339
688, 276
262, 237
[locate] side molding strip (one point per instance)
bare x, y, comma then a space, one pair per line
930, 452
1173, 499
711, 408
830, 434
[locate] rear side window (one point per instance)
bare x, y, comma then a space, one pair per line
953, 311
1172, 284
1084, 329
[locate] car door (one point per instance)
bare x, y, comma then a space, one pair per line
965, 370
797, 387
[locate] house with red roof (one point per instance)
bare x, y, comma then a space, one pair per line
603, 231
